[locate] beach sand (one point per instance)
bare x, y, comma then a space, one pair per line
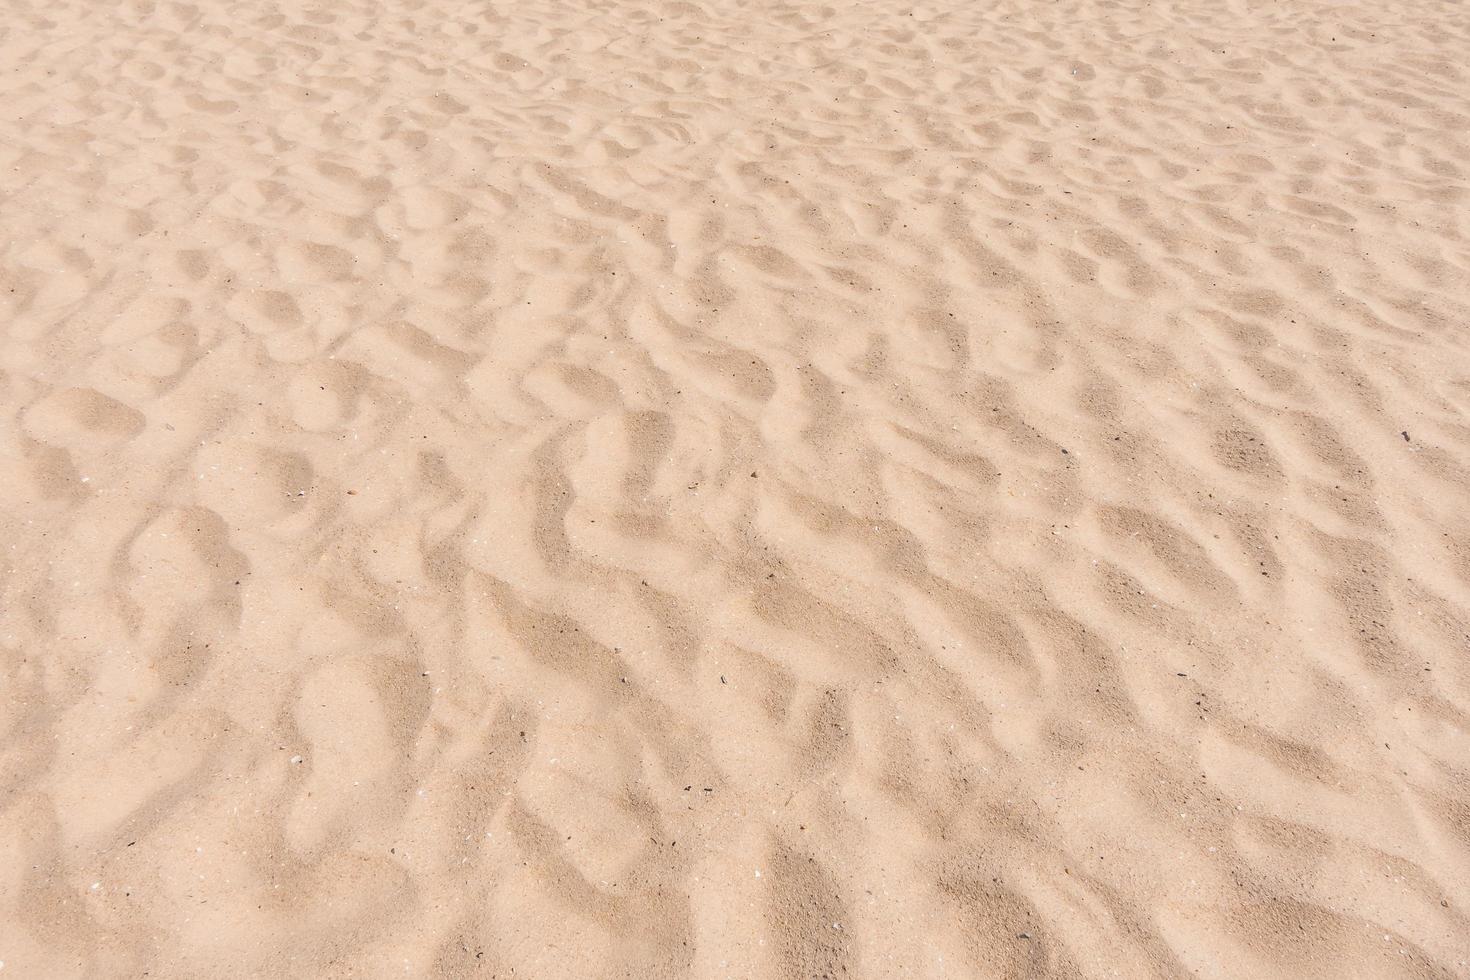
748, 489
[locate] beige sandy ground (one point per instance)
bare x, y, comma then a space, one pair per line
716, 489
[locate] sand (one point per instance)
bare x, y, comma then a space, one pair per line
747, 489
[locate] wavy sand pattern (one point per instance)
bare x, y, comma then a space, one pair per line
751, 489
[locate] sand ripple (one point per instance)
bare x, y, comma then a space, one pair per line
753, 489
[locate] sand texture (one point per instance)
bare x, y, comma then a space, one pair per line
772, 489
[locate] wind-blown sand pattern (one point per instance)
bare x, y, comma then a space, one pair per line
771, 489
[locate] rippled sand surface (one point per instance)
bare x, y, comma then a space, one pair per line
745, 489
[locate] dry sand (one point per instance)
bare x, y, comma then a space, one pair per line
771, 489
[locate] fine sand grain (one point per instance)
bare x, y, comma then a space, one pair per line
970, 488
